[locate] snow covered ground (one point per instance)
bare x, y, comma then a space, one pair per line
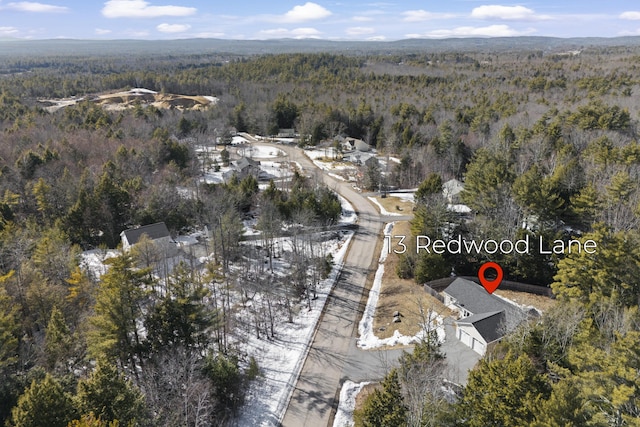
93, 261
280, 359
274, 170
368, 339
405, 197
348, 394
261, 152
383, 211
348, 215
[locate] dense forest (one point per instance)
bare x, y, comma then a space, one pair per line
545, 142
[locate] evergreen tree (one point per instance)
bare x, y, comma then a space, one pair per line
431, 186
384, 407
504, 392
608, 274
226, 381
58, 341
180, 318
90, 420
564, 408
44, 403
109, 396
118, 308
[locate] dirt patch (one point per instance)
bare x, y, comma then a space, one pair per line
366, 392
540, 302
128, 99
402, 295
396, 205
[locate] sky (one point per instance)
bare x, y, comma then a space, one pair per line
330, 20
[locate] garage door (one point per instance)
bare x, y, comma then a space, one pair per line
466, 338
478, 346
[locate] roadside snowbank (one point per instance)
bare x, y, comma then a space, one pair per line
368, 339
347, 404
383, 211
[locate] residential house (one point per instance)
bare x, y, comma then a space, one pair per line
351, 144
158, 233
286, 133
242, 168
360, 158
483, 317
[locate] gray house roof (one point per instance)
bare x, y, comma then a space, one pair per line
246, 162
484, 308
153, 231
488, 325
475, 299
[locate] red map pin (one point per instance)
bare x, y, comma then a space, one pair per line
490, 285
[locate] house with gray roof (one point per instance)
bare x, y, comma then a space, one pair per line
242, 168
158, 233
484, 318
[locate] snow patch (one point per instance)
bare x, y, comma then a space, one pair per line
347, 404
383, 211
524, 308
262, 152
348, 215
211, 99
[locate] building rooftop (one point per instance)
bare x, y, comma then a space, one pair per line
153, 231
489, 325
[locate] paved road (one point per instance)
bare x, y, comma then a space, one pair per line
334, 356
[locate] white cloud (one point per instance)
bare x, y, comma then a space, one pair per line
102, 31
7, 31
142, 9
173, 28
307, 12
631, 15
298, 33
423, 15
506, 13
359, 31
489, 31
28, 6
362, 18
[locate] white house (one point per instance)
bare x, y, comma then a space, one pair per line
158, 233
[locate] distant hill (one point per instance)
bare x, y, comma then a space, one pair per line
70, 47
